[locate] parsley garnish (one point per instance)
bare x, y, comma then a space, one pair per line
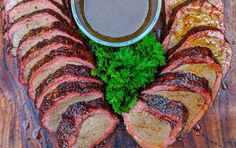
127, 69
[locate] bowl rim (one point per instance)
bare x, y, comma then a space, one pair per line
117, 44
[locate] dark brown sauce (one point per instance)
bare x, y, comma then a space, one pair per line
116, 20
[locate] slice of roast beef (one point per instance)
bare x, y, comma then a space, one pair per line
84, 125
209, 37
199, 61
23, 25
9, 4
172, 6
199, 13
56, 102
156, 121
26, 7
51, 63
66, 73
187, 88
36, 36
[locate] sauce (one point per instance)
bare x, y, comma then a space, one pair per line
115, 20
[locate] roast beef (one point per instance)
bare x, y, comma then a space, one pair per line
36, 36
209, 37
187, 88
199, 61
23, 25
56, 102
52, 62
156, 121
199, 13
85, 125
66, 73
172, 6
26, 7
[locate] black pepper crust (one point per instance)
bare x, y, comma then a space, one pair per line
53, 54
192, 31
67, 88
55, 25
193, 55
172, 111
77, 110
54, 40
48, 11
182, 80
72, 70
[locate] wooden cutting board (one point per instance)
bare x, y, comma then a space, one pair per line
20, 127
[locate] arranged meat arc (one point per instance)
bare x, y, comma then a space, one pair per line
199, 57
56, 65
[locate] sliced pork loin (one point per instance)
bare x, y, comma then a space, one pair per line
199, 61
23, 25
66, 73
56, 102
26, 7
9, 4
156, 121
85, 125
51, 63
172, 6
187, 88
209, 37
38, 35
42, 49
199, 13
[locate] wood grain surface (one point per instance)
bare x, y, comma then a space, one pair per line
20, 127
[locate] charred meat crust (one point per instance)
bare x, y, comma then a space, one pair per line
172, 111
79, 110
59, 6
66, 88
56, 25
73, 70
49, 11
195, 54
56, 39
185, 81
194, 30
67, 52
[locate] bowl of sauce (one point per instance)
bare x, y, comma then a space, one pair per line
116, 23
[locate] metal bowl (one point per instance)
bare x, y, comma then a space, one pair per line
79, 19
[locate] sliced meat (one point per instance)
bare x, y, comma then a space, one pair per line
37, 52
172, 6
85, 126
187, 88
199, 61
24, 24
9, 4
26, 7
155, 122
209, 37
56, 102
64, 74
199, 13
36, 36
51, 63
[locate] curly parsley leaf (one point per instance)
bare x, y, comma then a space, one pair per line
128, 69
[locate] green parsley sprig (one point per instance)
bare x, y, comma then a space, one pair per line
128, 69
